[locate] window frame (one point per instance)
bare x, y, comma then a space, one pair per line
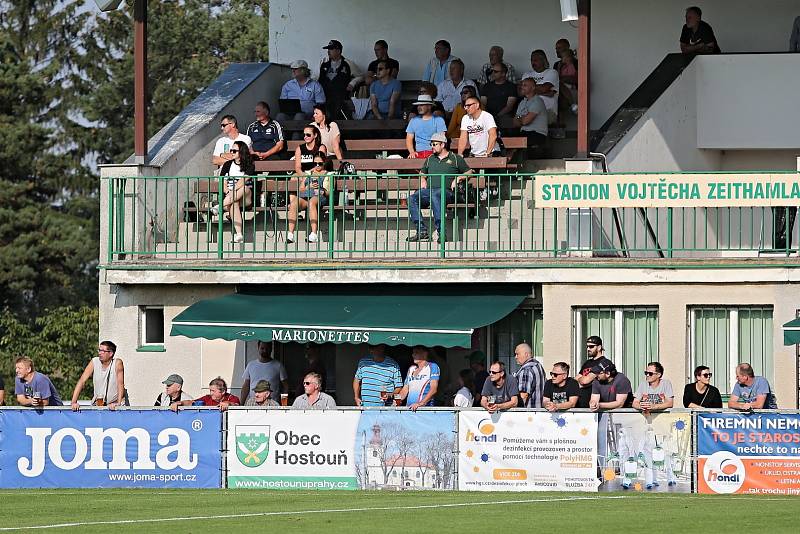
145, 345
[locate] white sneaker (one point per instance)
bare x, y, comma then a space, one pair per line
215, 210
574, 108
238, 238
289, 237
312, 237
484, 195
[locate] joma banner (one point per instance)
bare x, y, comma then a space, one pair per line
94, 448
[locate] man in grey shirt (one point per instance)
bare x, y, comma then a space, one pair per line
531, 116
313, 398
500, 392
264, 368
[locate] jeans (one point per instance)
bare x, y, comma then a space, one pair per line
425, 198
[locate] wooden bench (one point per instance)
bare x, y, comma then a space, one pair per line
512, 144
389, 164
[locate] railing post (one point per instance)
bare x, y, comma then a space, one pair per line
331, 213
669, 232
111, 226
220, 215
442, 215
555, 232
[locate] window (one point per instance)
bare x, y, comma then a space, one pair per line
523, 325
723, 337
151, 325
630, 336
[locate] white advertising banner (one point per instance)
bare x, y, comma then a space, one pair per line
288, 449
527, 451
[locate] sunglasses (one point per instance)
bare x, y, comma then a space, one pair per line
224, 124
319, 163
590, 346
556, 374
308, 383
434, 143
234, 151
308, 135
706, 375
650, 373
470, 104
495, 372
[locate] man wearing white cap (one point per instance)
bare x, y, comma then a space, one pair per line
303, 88
422, 127
173, 392
443, 168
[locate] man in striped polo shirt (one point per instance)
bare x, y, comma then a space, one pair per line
377, 378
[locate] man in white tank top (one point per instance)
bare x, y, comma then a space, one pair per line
108, 376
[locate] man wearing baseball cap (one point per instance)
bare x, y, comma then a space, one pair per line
611, 390
262, 395
173, 392
303, 88
596, 354
444, 169
337, 77
421, 128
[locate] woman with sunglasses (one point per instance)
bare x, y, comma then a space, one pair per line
312, 194
330, 136
700, 393
304, 153
655, 393
239, 190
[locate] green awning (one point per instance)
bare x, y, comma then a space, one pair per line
394, 314
791, 332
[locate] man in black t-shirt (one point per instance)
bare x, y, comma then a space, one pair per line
498, 95
561, 391
595, 353
336, 77
381, 54
697, 37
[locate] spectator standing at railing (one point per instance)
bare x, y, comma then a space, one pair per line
173, 392
530, 377
422, 379
2, 391
266, 135
217, 396
496, 58
314, 364
329, 133
384, 95
479, 128
611, 390
108, 378
303, 88
700, 393
751, 392
421, 128
465, 396
531, 115
381, 54
499, 95
595, 354
239, 187
338, 77
438, 68
697, 36
561, 392
262, 395
454, 126
264, 368
794, 39
32, 388
313, 398
377, 378
655, 393
230, 134
500, 392
547, 83
449, 91
440, 168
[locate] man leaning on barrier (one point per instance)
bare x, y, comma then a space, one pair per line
751, 392
173, 392
262, 395
561, 391
217, 396
313, 398
530, 377
32, 388
108, 378
585, 377
500, 392
611, 390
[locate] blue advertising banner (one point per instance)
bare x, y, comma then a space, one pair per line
748, 453
109, 449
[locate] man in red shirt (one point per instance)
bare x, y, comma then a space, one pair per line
218, 396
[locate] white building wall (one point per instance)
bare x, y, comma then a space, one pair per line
629, 37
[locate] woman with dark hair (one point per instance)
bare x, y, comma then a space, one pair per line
239, 189
465, 395
655, 393
313, 193
700, 393
304, 153
329, 131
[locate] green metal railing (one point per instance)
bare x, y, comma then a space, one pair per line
367, 217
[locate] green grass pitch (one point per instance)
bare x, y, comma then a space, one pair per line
204, 511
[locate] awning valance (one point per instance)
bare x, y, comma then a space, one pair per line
394, 314
791, 332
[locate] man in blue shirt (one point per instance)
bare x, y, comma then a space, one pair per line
750, 392
265, 134
422, 127
438, 68
422, 380
302, 87
384, 94
31, 388
377, 378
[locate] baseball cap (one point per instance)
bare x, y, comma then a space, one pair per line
333, 44
439, 137
594, 340
298, 64
173, 379
477, 356
262, 385
605, 366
